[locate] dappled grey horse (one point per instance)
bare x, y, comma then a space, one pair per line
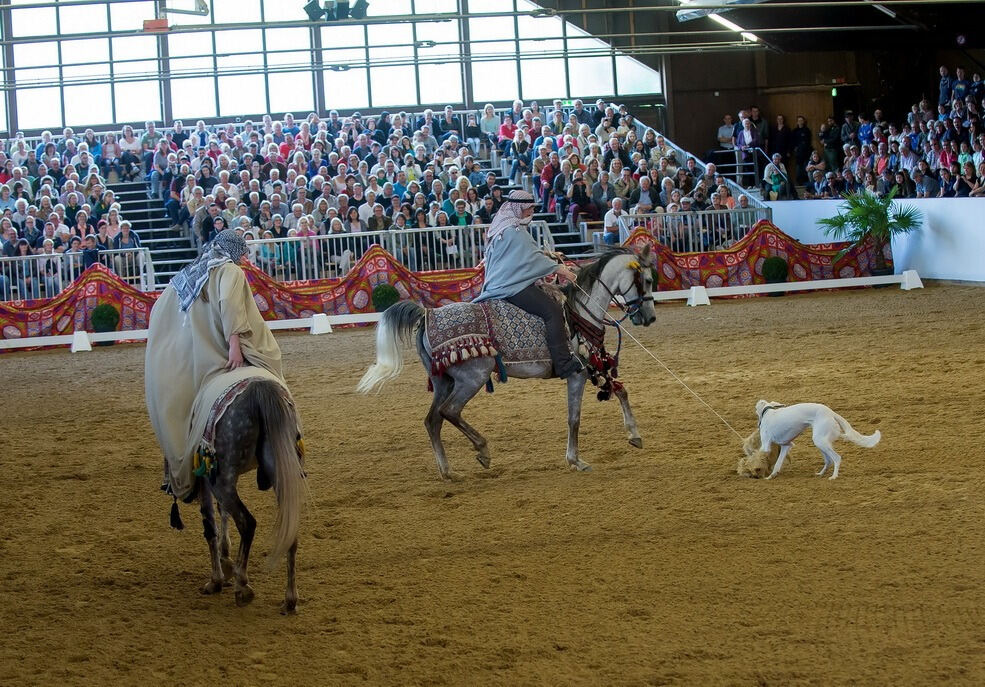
259, 431
618, 272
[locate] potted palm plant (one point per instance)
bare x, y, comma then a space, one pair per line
864, 216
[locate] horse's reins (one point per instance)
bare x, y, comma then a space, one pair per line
608, 321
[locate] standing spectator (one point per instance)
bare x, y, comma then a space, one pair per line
746, 142
849, 130
831, 142
781, 139
761, 125
724, 137
944, 89
960, 85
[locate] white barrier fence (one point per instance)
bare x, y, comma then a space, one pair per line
329, 256
697, 231
690, 232
47, 275
322, 324
699, 295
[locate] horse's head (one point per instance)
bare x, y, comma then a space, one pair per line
636, 286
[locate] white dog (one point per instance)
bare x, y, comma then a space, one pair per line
780, 425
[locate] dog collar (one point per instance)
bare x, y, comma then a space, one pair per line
767, 409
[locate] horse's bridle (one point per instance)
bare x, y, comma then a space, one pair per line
632, 307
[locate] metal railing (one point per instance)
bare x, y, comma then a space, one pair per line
692, 232
682, 158
47, 275
331, 256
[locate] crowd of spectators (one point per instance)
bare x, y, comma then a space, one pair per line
351, 174
598, 165
929, 152
55, 202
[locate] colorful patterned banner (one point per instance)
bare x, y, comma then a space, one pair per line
742, 263
739, 265
72, 309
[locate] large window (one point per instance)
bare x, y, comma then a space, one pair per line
93, 64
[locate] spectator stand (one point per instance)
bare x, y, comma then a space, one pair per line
330, 256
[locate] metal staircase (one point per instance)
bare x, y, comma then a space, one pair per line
170, 249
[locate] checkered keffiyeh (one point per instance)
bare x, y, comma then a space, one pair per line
227, 246
510, 214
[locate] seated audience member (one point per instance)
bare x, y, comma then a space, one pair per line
925, 185
580, 200
612, 223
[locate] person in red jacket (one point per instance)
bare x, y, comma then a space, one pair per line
506, 131
551, 170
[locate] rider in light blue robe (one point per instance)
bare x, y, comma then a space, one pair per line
514, 264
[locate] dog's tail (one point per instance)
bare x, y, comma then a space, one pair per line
848, 432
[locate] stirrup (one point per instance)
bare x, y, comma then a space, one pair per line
572, 368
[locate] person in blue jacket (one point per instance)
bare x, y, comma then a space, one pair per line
514, 265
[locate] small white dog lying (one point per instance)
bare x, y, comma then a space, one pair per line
780, 425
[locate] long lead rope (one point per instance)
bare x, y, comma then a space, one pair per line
623, 330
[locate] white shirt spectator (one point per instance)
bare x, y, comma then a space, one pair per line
613, 220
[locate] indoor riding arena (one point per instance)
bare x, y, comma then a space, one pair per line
219, 216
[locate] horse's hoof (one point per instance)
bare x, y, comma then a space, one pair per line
636, 442
484, 461
244, 595
212, 587
227, 568
581, 467
289, 607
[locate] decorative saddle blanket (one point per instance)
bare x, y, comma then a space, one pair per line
460, 331
211, 404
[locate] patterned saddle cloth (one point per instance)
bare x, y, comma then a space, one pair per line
461, 331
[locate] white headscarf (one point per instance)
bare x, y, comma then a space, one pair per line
510, 215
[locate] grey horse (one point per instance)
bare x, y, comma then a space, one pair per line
618, 272
257, 432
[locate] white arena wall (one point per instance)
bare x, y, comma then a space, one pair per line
951, 244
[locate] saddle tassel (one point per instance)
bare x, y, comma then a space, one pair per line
489, 386
176, 522
501, 368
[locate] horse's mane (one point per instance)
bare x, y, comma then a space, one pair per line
592, 272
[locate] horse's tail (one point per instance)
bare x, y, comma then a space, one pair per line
281, 457
849, 432
398, 323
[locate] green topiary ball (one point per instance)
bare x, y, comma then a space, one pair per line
384, 296
104, 318
775, 270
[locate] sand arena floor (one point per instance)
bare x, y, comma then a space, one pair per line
659, 567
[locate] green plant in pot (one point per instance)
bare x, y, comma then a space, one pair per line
775, 270
863, 216
384, 296
104, 318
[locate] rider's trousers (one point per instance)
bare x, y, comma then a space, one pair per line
536, 302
